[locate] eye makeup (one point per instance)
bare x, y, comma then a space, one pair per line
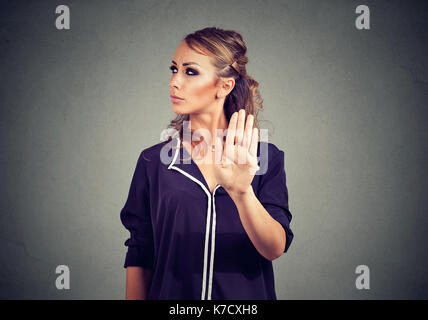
193, 71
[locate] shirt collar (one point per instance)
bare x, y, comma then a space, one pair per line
182, 161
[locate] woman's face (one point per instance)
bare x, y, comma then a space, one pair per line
194, 82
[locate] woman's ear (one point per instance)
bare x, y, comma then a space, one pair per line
226, 86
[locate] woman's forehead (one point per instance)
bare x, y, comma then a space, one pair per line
185, 54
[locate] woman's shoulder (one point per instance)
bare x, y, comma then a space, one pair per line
268, 149
153, 149
270, 157
152, 155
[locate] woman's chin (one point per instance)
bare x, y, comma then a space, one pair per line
178, 109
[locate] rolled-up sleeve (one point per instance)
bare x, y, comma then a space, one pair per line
135, 216
273, 192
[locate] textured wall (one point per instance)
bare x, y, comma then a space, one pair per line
349, 109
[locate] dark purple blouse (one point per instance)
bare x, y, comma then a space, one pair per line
192, 239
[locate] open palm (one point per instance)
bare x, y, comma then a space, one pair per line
236, 159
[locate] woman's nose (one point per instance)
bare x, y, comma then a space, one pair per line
174, 82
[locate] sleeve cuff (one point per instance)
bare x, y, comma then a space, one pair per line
136, 256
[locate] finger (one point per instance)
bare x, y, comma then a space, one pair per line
248, 131
244, 150
254, 142
241, 155
240, 127
230, 137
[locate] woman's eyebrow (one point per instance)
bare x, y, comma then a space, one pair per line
186, 63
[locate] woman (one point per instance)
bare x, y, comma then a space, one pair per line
208, 228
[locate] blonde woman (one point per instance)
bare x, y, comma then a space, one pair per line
209, 227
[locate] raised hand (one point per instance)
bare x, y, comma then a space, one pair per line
236, 159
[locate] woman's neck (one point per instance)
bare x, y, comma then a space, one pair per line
208, 123
204, 127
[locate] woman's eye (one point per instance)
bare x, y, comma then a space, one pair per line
192, 71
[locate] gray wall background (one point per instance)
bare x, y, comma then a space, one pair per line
348, 108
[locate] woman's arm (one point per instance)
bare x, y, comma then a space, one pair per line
137, 282
267, 234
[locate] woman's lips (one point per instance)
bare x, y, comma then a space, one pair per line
175, 99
